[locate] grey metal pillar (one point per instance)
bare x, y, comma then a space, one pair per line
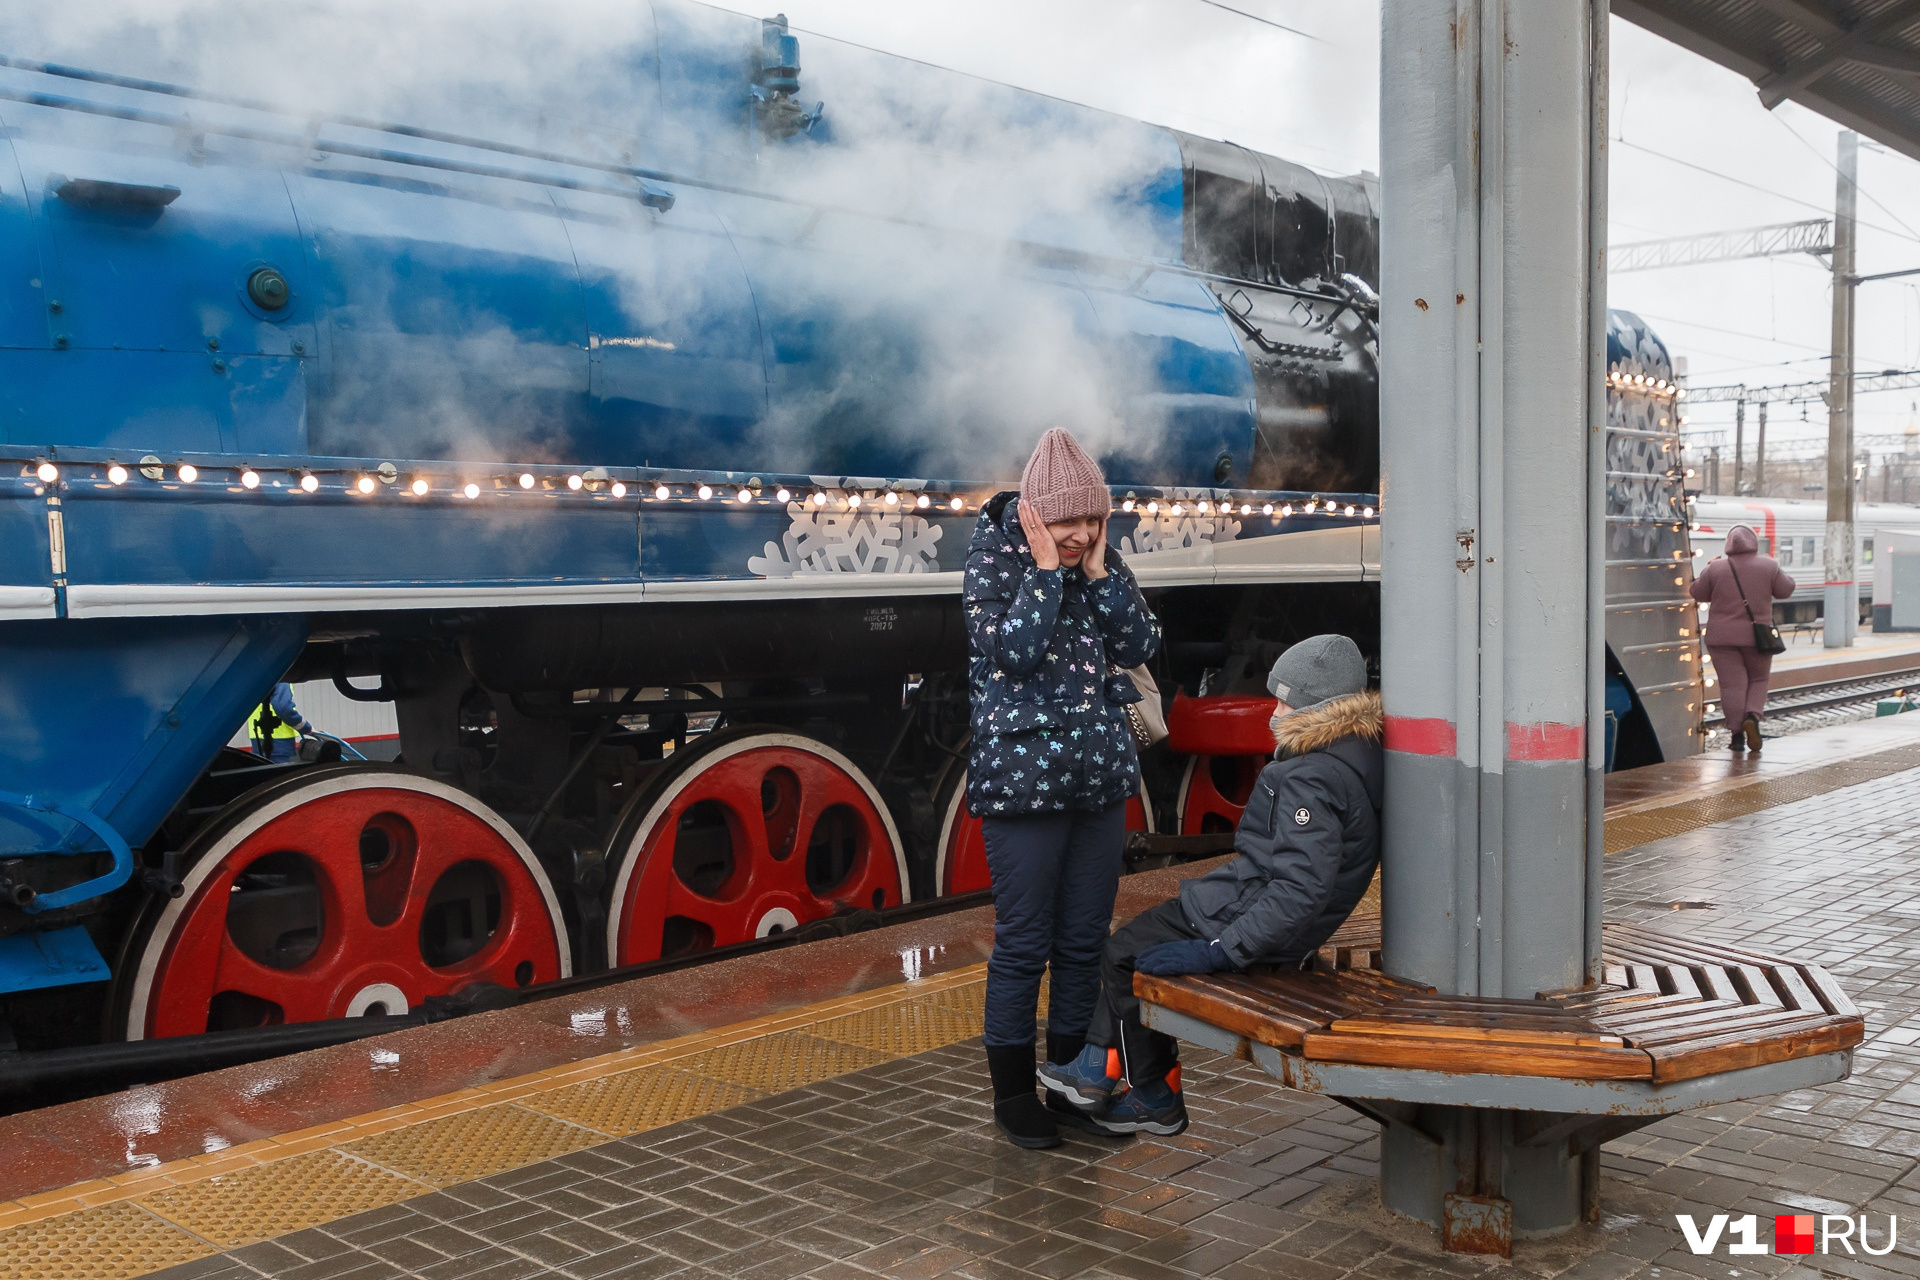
1739, 442
1760, 454
1492, 456
1841, 605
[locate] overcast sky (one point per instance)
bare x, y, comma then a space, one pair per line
1694, 152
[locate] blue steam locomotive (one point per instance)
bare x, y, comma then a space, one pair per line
628, 448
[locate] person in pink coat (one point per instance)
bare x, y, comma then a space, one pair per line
1742, 668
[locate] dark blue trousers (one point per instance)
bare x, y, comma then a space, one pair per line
1054, 879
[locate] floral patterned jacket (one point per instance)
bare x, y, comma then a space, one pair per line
1050, 728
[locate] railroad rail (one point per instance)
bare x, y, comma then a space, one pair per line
1828, 695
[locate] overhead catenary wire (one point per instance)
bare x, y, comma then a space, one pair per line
1860, 187
1754, 186
1215, 4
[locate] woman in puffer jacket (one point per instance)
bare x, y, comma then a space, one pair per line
1053, 615
1743, 670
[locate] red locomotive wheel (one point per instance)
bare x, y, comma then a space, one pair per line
962, 865
340, 892
1214, 791
750, 832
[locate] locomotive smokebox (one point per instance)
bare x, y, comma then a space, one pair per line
527, 650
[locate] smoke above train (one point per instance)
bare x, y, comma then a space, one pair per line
684, 237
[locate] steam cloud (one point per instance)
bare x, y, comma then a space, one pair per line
942, 354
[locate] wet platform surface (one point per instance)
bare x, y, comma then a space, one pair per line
772, 1118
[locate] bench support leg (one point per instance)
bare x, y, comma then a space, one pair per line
1485, 1177
1473, 1174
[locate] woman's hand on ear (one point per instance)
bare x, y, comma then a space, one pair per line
1039, 540
1094, 562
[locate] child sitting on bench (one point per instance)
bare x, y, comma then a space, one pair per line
1306, 851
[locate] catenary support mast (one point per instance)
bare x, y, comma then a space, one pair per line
1841, 606
1492, 441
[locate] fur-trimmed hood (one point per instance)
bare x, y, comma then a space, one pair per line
1357, 715
1348, 729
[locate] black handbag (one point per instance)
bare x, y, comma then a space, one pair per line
1766, 636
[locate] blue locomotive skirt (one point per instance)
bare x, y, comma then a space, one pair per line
1054, 879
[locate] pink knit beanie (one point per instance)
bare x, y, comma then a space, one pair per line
1062, 482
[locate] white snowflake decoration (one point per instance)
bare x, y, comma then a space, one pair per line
870, 538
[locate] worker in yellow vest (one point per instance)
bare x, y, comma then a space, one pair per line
276, 726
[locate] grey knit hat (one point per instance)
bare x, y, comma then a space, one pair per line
1317, 670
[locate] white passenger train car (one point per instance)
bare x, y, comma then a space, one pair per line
1794, 530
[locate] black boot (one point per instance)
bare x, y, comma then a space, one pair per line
1062, 1049
1016, 1107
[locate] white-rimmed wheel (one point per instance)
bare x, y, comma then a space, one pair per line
747, 833
338, 892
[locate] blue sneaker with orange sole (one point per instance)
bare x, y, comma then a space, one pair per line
1087, 1082
1155, 1107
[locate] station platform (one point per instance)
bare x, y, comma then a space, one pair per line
1807, 662
823, 1110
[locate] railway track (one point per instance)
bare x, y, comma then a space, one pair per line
1825, 702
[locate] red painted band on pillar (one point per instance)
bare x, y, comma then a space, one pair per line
1421, 737
1546, 741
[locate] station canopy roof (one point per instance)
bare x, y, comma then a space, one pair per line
1854, 61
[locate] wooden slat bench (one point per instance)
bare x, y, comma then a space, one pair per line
1669, 1010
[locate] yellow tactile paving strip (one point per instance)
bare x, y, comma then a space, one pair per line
1651, 820
148, 1219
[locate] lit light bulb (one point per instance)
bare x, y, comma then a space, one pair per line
187, 472
1153, 508
1267, 509
249, 479
420, 488
619, 488
819, 499
471, 489
893, 499
923, 502
47, 472
1366, 513
1174, 509
745, 495
1349, 508
956, 504
309, 482
784, 495
526, 479
1202, 508
706, 491
853, 500
1127, 505
116, 474
1246, 508
574, 483
662, 492
365, 485
1287, 510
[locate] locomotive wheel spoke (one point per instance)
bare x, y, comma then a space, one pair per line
748, 833
343, 891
